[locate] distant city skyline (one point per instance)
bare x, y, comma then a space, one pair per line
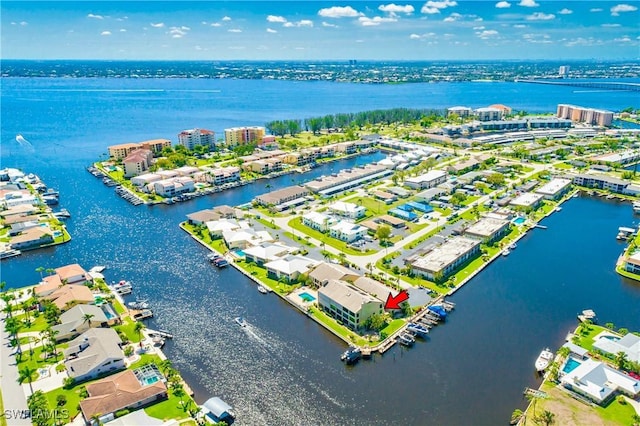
321, 30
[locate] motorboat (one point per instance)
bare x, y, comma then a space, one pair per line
351, 355
636, 207
438, 310
506, 252
212, 257
221, 262
122, 287
513, 246
418, 329
588, 315
241, 322
138, 304
262, 289
544, 359
406, 339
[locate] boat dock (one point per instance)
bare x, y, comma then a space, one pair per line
161, 333
141, 314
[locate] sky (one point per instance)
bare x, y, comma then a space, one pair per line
320, 30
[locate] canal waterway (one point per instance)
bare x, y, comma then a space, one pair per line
284, 368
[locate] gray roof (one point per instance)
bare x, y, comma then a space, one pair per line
373, 287
576, 349
218, 407
347, 295
330, 271
92, 347
74, 318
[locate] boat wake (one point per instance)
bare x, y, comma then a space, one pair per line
248, 328
24, 143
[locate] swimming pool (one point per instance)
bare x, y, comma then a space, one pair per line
306, 297
108, 310
239, 252
518, 220
570, 365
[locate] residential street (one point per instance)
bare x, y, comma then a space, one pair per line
13, 396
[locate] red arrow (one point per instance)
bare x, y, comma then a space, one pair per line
394, 302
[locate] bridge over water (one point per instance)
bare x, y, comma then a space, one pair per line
607, 85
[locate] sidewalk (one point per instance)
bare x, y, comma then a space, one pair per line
13, 396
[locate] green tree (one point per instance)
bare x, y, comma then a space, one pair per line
25, 374
376, 322
495, 179
545, 418
39, 408
138, 327
86, 318
458, 198
383, 233
621, 360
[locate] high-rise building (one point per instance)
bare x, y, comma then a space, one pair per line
190, 138
243, 135
585, 115
563, 71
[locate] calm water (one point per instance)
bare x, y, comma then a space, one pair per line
284, 369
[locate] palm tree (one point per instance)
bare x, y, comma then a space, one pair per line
40, 269
26, 375
178, 390
546, 417
87, 318
533, 399
165, 365
138, 329
621, 360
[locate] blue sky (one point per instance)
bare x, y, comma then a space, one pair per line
311, 30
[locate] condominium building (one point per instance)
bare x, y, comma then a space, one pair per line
243, 135
585, 115
347, 303
489, 114
154, 145
190, 138
445, 259
137, 162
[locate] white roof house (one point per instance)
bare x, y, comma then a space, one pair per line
598, 381
145, 179
629, 344
290, 266
266, 252
244, 238
554, 188
217, 227
347, 209
527, 199
347, 231
317, 220
427, 180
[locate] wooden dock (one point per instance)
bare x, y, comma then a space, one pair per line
137, 314
161, 333
386, 345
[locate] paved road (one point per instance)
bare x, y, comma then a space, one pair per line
13, 396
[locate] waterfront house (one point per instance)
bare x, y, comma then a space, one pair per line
18, 227
488, 229
71, 274
289, 267
125, 390
66, 296
32, 238
599, 382
266, 252
202, 216
137, 162
217, 227
442, 261
243, 238
173, 186
632, 263
350, 210
460, 111
48, 285
554, 189
317, 221
75, 321
601, 182
427, 180
348, 304
347, 231
527, 201
21, 210
94, 352
576, 350
613, 344
145, 179
331, 271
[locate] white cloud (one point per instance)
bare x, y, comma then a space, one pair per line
339, 12
432, 7
197, 47
479, 28
226, 18
581, 41
487, 34
565, 11
610, 25
595, 9
203, 23
302, 23
91, 15
326, 24
24, 23
503, 5
178, 32
105, 33
621, 8
158, 25
453, 17
623, 39
528, 3
269, 30
422, 36
520, 26
274, 18
122, 30
539, 16
235, 30
376, 20
216, 24
396, 8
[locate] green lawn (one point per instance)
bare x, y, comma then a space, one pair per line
119, 308
217, 244
564, 166
296, 223
144, 360
392, 327
331, 323
37, 324
585, 339
267, 223
127, 327
620, 270
37, 361
261, 274
170, 408
72, 395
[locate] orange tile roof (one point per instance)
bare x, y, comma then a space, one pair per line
69, 271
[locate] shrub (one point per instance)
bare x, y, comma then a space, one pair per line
121, 413
60, 368
68, 383
61, 400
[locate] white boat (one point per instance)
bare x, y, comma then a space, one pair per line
138, 304
506, 252
241, 322
544, 359
636, 207
513, 246
262, 290
588, 315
